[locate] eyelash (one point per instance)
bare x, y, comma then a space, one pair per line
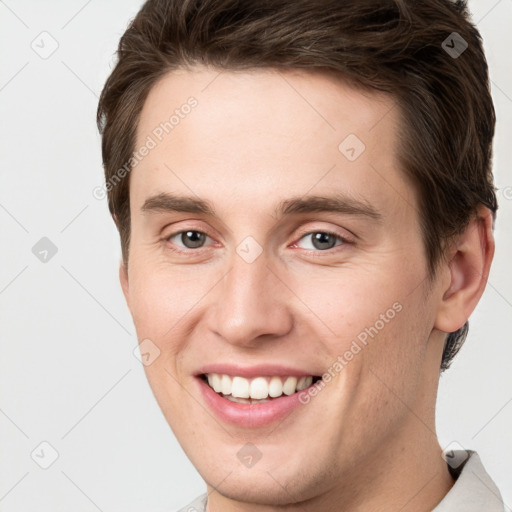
318, 252
315, 252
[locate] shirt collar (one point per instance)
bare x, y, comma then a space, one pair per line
473, 490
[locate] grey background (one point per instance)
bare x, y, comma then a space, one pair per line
67, 369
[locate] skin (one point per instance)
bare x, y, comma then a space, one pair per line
367, 440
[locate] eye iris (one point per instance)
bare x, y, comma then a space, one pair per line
321, 239
196, 237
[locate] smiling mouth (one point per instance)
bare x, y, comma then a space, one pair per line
257, 390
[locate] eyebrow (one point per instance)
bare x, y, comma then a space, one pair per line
338, 203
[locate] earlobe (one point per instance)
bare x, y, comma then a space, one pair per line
468, 269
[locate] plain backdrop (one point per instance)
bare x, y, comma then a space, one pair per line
69, 378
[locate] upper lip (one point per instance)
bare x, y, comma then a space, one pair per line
259, 370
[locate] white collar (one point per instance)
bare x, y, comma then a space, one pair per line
473, 491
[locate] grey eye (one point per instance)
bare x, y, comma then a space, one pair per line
322, 240
190, 239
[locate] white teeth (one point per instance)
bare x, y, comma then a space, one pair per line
225, 384
275, 387
259, 388
303, 383
290, 385
240, 387
215, 382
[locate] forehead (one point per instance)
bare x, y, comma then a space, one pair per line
262, 134
273, 100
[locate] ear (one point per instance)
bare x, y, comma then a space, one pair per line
467, 272
123, 279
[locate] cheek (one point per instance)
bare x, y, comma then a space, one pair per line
161, 298
369, 322
392, 360
351, 304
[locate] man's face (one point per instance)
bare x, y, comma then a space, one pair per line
251, 291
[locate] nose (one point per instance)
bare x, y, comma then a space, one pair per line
251, 304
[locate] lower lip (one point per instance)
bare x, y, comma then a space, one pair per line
248, 415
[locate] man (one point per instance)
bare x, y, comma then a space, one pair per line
304, 196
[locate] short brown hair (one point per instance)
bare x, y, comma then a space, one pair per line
414, 50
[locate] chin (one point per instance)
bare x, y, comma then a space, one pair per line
268, 483
255, 488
